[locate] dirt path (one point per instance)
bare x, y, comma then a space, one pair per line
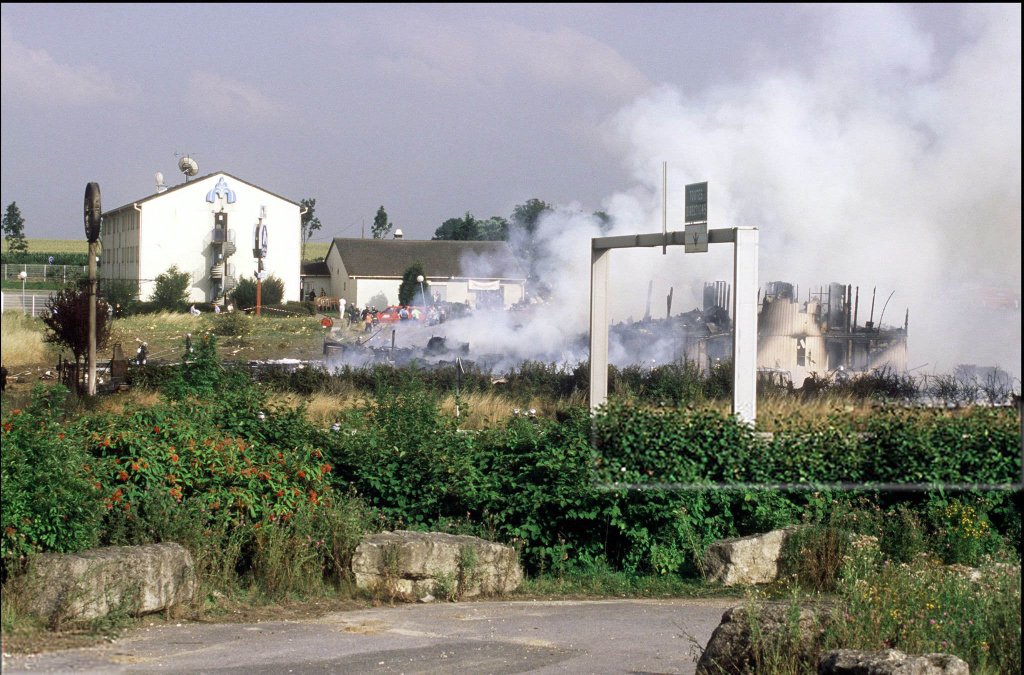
602, 636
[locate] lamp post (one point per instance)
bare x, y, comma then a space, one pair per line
422, 292
23, 275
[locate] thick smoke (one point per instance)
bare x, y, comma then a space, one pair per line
884, 163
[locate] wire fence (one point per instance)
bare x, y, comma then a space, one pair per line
61, 273
33, 303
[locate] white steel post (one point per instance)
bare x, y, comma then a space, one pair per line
744, 361
598, 328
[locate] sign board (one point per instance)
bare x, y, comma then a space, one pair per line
696, 203
695, 238
259, 249
93, 211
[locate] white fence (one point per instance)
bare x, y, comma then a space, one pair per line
44, 272
32, 302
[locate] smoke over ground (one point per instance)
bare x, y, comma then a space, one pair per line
887, 161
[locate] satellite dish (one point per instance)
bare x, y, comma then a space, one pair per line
159, 177
188, 166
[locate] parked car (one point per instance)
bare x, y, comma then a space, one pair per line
390, 314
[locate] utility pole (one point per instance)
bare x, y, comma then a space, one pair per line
93, 213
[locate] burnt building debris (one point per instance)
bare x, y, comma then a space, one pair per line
819, 336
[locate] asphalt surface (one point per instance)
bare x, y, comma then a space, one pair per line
607, 636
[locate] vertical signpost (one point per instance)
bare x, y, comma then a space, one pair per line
695, 239
93, 213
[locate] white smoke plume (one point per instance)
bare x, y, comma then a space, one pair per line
887, 162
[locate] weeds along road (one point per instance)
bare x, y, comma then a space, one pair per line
601, 636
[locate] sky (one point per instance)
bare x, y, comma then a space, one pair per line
873, 145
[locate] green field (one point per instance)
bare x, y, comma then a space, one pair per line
57, 246
314, 250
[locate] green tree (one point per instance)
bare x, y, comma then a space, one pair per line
466, 228
14, 230
68, 320
494, 228
527, 216
525, 220
409, 290
381, 226
310, 223
171, 292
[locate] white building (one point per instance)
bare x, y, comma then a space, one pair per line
206, 227
478, 273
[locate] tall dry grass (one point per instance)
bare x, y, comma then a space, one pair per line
22, 342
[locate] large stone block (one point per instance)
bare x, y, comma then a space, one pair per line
82, 586
417, 564
748, 633
746, 560
889, 662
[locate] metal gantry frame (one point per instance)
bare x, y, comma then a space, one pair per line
744, 344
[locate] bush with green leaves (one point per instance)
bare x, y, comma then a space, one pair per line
232, 324
51, 490
170, 292
244, 294
123, 292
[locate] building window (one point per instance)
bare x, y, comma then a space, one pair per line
801, 352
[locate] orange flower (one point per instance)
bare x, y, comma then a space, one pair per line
174, 458
313, 497
8, 426
123, 475
135, 466
280, 493
156, 430
325, 468
302, 474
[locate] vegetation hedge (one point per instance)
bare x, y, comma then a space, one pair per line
640, 490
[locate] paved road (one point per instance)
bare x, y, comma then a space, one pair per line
609, 636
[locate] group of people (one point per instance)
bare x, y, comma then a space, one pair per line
369, 316
195, 311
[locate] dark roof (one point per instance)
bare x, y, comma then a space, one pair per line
391, 257
317, 268
189, 183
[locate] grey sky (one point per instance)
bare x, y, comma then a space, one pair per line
428, 110
872, 144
